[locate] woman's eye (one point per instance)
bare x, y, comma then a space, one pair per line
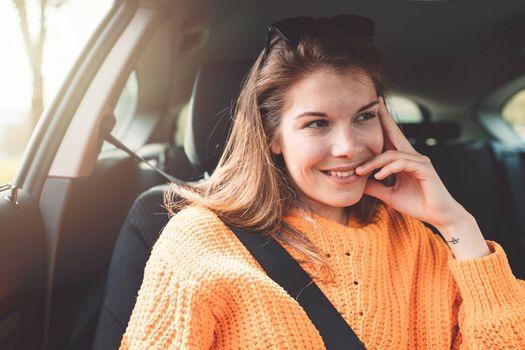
366, 116
317, 124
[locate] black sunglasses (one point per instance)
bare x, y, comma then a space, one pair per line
292, 29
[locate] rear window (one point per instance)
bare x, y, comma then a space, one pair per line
514, 112
404, 110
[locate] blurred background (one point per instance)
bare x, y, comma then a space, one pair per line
39, 43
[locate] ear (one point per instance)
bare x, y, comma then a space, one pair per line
276, 147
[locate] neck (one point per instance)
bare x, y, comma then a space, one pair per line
337, 214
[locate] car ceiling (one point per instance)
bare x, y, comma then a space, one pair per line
446, 55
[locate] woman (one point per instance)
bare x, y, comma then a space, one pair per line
310, 144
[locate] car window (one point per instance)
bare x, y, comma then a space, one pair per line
404, 109
30, 82
514, 112
125, 108
181, 124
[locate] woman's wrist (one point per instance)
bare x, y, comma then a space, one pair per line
464, 237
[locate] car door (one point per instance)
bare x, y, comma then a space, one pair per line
33, 205
22, 270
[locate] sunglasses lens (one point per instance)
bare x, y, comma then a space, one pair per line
291, 29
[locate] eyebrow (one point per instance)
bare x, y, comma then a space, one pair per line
321, 114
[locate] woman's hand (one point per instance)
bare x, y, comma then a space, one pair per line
418, 191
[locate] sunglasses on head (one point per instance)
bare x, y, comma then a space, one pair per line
291, 30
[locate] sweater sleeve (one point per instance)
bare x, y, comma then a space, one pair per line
491, 304
172, 310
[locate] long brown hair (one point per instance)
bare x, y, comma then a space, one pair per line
250, 187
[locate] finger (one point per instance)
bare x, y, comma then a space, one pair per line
393, 134
377, 190
385, 158
400, 165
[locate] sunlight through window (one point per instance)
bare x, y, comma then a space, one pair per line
514, 112
68, 27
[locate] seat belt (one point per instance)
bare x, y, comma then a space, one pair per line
281, 267
112, 140
285, 271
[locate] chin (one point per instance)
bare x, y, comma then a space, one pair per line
343, 202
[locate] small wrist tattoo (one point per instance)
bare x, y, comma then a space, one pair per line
454, 241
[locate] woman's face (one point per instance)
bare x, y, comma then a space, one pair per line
329, 127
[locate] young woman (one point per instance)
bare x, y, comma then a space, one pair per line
311, 142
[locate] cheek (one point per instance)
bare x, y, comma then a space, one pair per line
377, 143
300, 155
303, 155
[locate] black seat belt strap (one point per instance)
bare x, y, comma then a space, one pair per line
285, 271
111, 139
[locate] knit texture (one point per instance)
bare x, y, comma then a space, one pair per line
395, 282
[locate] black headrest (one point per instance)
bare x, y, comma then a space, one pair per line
439, 131
215, 93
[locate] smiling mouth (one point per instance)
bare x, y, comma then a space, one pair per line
340, 174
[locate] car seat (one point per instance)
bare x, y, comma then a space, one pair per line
215, 89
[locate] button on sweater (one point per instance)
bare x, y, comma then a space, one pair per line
394, 281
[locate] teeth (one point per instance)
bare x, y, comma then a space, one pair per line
341, 173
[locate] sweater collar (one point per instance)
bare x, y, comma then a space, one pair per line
312, 224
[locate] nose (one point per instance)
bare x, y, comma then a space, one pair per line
346, 143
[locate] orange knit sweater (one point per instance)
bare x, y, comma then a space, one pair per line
396, 284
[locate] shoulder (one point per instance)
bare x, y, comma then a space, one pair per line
195, 224
200, 252
195, 220
190, 236
196, 240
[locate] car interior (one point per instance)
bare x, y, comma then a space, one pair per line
80, 218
